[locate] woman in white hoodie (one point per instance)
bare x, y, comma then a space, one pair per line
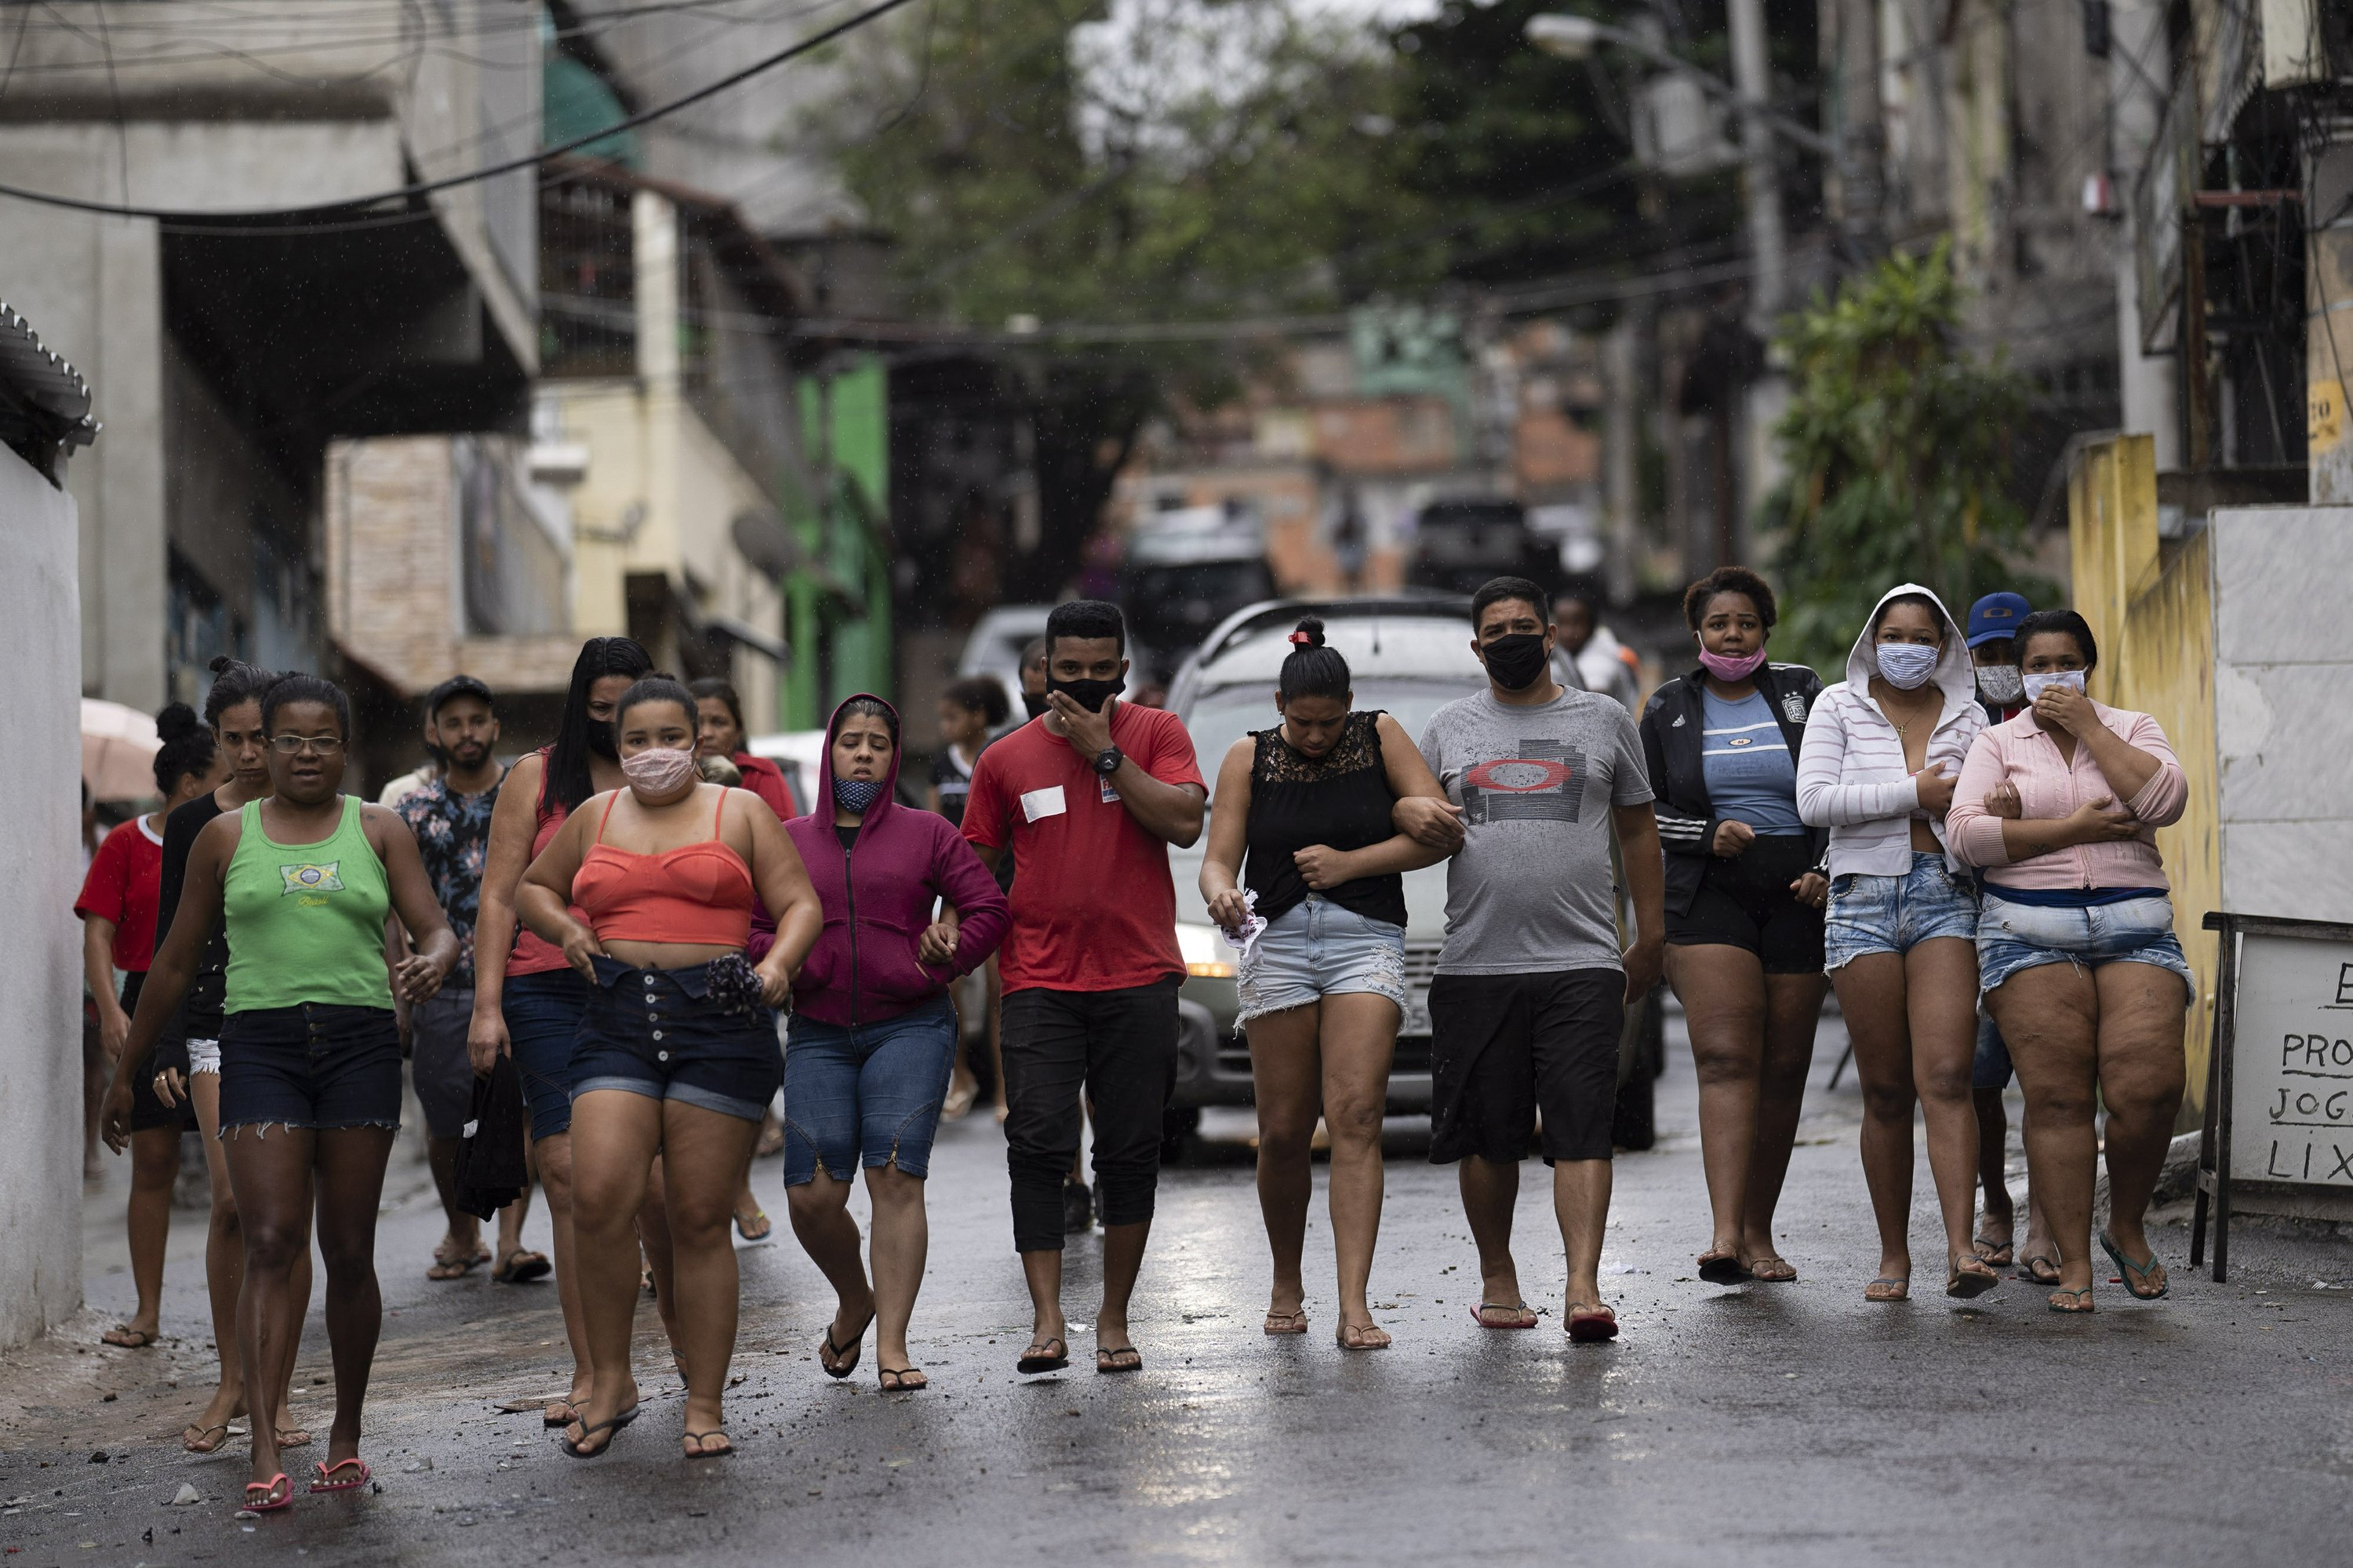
1882, 752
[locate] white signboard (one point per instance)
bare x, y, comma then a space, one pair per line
2292, 1062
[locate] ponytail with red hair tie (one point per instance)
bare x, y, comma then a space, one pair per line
1303, 639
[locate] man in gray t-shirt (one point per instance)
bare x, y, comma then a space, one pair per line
1531, 991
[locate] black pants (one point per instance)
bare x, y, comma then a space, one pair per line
1120, 1046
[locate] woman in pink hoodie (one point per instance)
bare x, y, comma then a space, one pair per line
873, 1036
2076, 954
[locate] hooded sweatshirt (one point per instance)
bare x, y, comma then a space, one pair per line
1851, 776
877, 897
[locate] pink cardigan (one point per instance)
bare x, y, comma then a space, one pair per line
2018, 752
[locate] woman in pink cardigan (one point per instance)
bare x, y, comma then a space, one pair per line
2076, 955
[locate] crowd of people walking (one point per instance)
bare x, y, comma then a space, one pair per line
640, 922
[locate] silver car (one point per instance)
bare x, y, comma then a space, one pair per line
1407, 656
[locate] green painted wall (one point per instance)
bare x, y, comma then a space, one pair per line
839, 605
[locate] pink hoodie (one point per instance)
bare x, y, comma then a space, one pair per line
2020, 752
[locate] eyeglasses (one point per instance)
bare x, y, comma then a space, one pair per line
293, 745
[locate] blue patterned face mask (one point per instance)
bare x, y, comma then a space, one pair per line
855, 796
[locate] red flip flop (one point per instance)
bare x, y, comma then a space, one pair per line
268, 1489
1594, 1327
324, 1483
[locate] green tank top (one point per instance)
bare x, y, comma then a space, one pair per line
306, 921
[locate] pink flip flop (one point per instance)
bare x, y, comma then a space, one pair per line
324, 1483
1592, 1328
268, 1490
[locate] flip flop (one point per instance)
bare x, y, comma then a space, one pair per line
1035, 1360
1592, 1326
125, 1337
521, 1267
1108, 1362
765, 1227
706, 1436
1772, 1269
1998, 1254
1479, 1314
2083, 1301
1296, 1321
325, 1483
1359, 1337
855, 1348
200, 1431
294, 1437
902, 1374
268, 1490
2033, 1276
1721, 1268
548, 1418
2135, 1271
1902, 1291
446, 1267
614, 1425
1968, 1283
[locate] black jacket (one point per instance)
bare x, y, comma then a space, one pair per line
1672, 723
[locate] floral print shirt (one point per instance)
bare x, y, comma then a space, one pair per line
453, 836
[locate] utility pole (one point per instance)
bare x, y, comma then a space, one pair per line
1752, 75
1851, 41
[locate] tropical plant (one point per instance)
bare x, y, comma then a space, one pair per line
1897, 447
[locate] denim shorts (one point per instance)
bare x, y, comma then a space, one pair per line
543, 1013
2014, 936
317, 1067
1317, 949
868, 1095
1894, 914
661, 1033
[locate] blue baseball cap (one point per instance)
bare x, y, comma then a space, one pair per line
1996, 615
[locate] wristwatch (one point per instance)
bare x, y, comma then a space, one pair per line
1108, 759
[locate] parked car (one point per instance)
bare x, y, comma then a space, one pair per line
1460, 543
995, 646
1186, 571
1408, 655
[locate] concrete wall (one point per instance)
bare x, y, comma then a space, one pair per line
41, 943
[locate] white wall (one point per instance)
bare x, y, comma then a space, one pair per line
2282, 729
41, 943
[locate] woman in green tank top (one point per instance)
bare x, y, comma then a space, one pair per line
309, 1082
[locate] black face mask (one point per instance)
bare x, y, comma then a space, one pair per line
603, 741
1035, 701
1089, 695
1515, 662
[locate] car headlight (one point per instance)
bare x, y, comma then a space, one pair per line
1205, 952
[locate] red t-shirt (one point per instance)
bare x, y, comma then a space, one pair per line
125, 880
1093, 905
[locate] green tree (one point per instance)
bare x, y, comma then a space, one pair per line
1897, 445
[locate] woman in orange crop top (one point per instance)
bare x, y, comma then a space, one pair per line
677, 1053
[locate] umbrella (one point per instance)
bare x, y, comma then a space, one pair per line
118, 751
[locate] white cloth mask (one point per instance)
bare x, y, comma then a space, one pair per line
1906, 665
2039, 683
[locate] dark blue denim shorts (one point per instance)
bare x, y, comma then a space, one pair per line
315, 1066
543, 1013
866, 1096
662, 1033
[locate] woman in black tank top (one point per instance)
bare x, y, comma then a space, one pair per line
1301, 838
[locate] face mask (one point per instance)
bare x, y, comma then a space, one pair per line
1513, 662
602, 741
1089, 695
856, 795
1035, 701
2000, 684
1906, 665
1731, 671
659, 773
2037, 684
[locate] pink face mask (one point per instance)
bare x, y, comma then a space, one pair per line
1732, 671
656, 774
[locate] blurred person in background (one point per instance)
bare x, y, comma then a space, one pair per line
1603, 664
970, 712
117, 907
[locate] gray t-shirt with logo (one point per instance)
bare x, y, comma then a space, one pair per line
1532, 890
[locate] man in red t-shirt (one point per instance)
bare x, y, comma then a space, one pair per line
1087, 800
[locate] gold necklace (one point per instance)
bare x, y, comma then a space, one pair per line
1902, 727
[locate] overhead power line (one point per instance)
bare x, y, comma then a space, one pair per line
489, 171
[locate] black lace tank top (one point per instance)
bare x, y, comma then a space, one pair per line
1341, 800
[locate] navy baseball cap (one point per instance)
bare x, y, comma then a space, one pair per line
1996, 615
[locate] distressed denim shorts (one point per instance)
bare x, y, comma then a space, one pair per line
2014, 936
662, 1034
867, 1093
1317, 949
316, 1066
1894, 914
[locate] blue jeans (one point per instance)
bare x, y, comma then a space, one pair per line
663, 1034
2014, 936
1317, 949
542, 1013
1894, 914
866, 1095
316, 1066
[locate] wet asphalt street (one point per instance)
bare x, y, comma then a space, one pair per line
1763, 1423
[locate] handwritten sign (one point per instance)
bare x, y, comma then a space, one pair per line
2291, 1079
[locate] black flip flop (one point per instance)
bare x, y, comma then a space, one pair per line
726, 1453
1108, 1367
1035, 1360
902, 1375
615, 1425
1724, 1270
854, 1349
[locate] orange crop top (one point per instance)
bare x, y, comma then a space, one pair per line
698, 893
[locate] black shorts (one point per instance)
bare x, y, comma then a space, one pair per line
1504, 1047
148, 1112
1745, 902
319, 1066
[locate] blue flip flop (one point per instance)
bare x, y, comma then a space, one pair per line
2134, 1272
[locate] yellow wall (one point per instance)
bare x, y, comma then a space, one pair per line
2150, 605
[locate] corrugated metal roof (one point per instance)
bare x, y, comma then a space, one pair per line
44, 382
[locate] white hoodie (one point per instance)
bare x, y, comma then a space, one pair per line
1852, 777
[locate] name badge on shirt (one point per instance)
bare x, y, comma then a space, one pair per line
1106, 793
1039, 804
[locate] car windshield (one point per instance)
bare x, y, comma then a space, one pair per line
1224, 717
